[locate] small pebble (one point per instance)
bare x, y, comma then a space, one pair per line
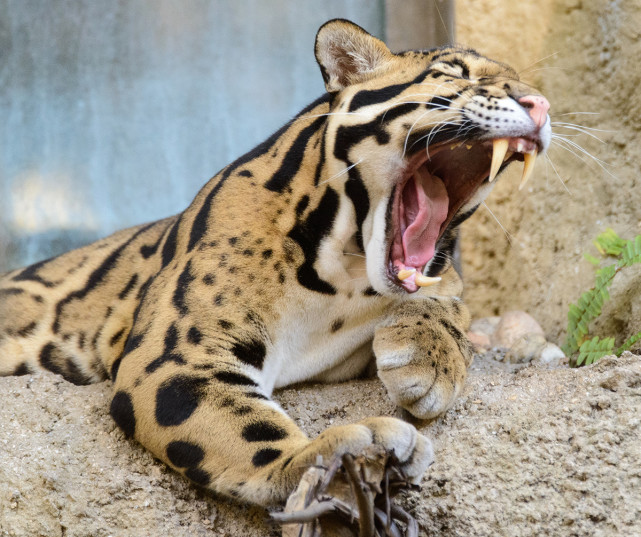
512, 327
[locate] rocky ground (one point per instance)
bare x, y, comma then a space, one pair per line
527, 450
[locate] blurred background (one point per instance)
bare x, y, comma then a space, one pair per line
116, 113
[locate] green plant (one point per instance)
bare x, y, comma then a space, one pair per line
626, 253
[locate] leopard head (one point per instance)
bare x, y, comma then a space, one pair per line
417, 139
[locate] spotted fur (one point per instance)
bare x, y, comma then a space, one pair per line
279, 272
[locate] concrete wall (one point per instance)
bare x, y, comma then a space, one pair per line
116, 113
584, 56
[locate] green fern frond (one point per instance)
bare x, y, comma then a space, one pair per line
609, 243
590, 303
628, 343
587, 309
593, 349
631, 253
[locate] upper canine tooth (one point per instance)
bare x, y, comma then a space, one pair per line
405, 273
528, 166
425, 281
499, 149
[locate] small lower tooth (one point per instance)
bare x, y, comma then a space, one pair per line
405, 273
426, 281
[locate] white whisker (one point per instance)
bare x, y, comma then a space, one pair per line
557, 174
342, 172
507, 234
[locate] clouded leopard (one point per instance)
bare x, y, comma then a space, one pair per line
325, 248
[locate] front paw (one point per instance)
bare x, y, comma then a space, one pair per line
422, 354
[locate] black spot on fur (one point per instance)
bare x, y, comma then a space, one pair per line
308, 234
256, 395
122, 412
169, 352
218, 299
182, 286
50, 358
11, 291
169, 248
229, 377
177, 398
184, 454
245, 173
250, 352
28, 329
292, 160
74, 374
263, 431
356, 191
227, 401
22, 369
242, 410
194, 336
267, 253
370, 292
127, 289
116, 337
115, 367
147, 250
199, 476
233, 241
225, 325
30, 274
386, 93
209, 279
337, 325
302, 205
265, 456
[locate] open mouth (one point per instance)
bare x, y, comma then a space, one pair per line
435, 185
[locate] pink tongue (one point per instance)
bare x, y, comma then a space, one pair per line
424, 209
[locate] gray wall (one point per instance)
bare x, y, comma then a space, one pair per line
114, 113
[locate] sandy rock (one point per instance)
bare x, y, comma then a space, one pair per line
524, 451
512, 327
526, 348
551, 355
481, 331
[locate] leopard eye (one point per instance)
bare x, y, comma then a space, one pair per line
449, 69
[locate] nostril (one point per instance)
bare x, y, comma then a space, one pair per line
537, 107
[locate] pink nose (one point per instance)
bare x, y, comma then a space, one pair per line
537, 106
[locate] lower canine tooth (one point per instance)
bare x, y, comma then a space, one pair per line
528, 166
405, 273
499, 149
426, 281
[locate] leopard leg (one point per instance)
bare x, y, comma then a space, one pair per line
422, 354
215, 425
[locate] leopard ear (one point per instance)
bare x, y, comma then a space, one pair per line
347, 54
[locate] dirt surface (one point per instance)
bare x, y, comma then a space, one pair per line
525, 451
584, 57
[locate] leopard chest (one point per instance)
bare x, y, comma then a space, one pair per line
316, 334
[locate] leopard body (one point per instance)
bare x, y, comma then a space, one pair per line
281, 271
